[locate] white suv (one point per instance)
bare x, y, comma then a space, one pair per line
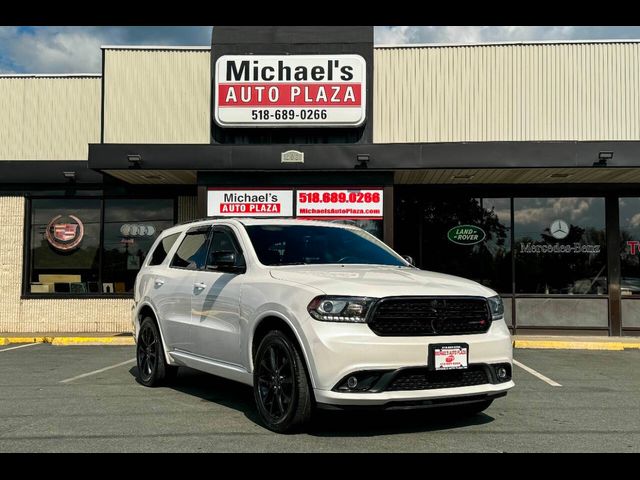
315, 314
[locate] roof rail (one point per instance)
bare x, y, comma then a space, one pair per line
193, 221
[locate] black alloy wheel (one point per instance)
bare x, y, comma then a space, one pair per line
281, 388
152, 366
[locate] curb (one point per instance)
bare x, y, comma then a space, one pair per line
523, 344
572, 345
68, 341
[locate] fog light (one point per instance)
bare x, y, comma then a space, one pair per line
502, 373
352, 382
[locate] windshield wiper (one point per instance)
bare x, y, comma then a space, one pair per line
290, 263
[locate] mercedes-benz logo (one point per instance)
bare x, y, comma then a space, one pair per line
559, 229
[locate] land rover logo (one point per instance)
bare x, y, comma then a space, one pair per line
466, 235
64, 236
559, 229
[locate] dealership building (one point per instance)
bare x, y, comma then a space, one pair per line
514, 164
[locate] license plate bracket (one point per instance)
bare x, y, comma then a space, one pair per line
448, 356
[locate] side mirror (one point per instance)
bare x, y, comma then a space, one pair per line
409, 259
224, 259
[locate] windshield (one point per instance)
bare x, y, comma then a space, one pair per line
308, 244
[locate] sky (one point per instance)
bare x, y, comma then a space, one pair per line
77, 49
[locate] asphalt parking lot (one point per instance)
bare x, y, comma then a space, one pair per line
60, 399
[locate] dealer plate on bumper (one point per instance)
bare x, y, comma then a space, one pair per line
448, 357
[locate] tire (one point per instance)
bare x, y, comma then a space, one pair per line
153, 369
284, 401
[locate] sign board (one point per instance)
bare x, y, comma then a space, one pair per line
250, 203
340, 203
290, 91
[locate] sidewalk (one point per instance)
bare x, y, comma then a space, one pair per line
564, 342
62, 339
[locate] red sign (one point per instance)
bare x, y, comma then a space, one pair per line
287, 95
340, 204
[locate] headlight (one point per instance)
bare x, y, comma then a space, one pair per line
340, 309
496, 306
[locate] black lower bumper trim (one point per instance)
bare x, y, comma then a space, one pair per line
417, 404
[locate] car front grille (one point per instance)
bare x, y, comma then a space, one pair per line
424, 379
421, 316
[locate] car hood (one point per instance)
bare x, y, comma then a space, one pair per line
378, 281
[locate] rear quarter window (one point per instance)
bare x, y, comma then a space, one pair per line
160, 253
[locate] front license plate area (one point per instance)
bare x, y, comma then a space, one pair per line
448, 357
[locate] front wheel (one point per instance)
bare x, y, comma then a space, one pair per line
153, 369
280, 386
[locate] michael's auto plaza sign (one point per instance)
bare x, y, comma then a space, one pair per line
290, 91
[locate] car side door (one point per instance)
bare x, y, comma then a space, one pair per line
175, 309
215, 308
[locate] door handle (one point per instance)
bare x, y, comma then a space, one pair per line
199, 286
158, 282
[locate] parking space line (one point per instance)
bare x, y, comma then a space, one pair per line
67, 380
536, 374
21, 346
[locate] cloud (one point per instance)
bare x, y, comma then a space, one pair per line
529, 216
546, 210
476, 34
77, 49
635, 220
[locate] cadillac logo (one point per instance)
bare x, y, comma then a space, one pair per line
64, 236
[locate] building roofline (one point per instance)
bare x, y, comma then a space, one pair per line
493, 44
154, 47
49, 75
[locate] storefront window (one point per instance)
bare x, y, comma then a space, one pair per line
130, 228
65, 246
468, 237
630, 245
560, 245
66, 235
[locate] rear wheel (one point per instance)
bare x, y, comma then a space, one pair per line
153, 369
280, 385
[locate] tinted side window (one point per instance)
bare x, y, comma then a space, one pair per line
160, 253
192, 252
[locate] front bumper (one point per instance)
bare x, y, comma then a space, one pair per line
337, 350
482, 392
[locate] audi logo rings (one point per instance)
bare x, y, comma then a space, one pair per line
137, 230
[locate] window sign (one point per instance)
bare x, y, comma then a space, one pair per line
249, 203
340, 203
